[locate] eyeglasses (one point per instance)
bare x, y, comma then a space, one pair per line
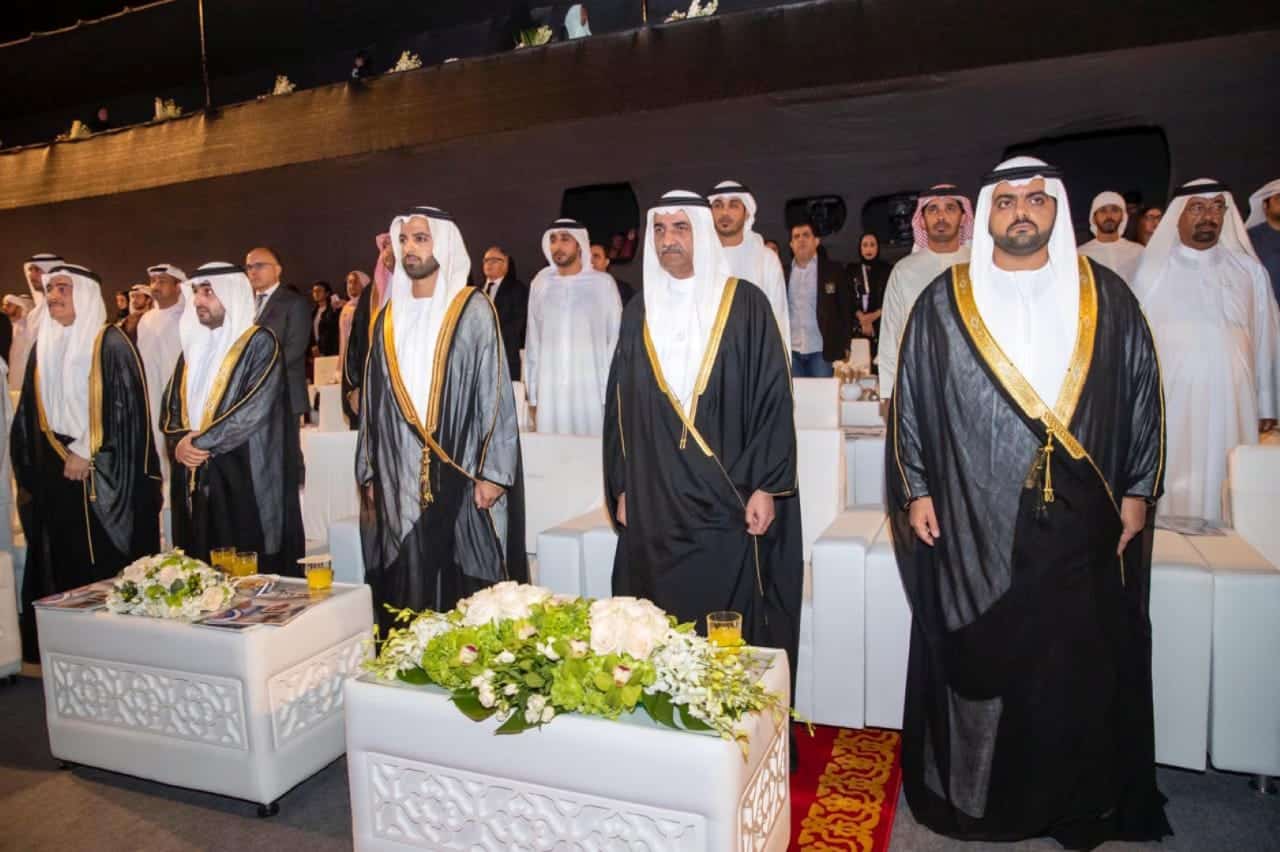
262, 264
1202, 210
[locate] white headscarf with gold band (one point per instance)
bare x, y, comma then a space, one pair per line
417, 322
680, 313
1031, 314
204, 349
64, 356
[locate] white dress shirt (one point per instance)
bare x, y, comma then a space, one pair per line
802, 299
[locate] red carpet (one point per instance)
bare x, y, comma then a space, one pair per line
845, 793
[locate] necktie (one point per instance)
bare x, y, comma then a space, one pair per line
259, 299
488, 288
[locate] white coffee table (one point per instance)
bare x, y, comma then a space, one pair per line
247, 714
425, 776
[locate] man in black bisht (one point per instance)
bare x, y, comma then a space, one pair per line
1019, 532
227, 419
438, 456
700, 441
88, 476
371, 300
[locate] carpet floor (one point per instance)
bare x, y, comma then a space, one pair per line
43, 808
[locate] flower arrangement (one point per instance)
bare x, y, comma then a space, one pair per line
407, 62
166, 109
526, 655
283, 85
696, 10
533, 37
169, 585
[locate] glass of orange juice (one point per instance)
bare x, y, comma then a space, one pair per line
319, 572
246, 564
222, 558
725, 628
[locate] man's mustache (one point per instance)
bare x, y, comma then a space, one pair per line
1034, 226
672, 249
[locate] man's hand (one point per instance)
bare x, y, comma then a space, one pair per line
77, 468
868, 328
924, 521
533, 418
1133, 515
188, 454
487, 494
353, 399
1266, 424
759, 513
622, 509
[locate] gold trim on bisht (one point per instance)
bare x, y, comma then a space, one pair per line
1056, 420
704, 371
426, 431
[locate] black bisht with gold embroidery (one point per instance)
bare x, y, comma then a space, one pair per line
1028, 706
426, 544
81, 532
246, 495
688, 476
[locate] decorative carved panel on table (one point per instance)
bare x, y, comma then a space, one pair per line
310, 692
201, 708
438, 807
765, 797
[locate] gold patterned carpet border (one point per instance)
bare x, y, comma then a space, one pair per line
845, 793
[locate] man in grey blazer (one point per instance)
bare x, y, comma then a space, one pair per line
288, 315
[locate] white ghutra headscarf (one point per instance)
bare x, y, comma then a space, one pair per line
680, 313
204, 349
64, 355
417, 321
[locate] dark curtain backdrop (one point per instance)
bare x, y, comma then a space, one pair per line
1213, 99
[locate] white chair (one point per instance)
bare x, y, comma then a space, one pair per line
1244, 732
10, 638
833, 623
888, 628
1254, 494
1181, 640
864, 468
817, 403
325, 370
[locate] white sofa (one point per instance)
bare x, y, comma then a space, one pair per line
817, 403
864, 468
1244, 730
888, 631
10, 638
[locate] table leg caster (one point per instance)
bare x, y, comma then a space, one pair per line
1262, 785
265, 811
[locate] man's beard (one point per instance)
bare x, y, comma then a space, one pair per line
1109, 226
211, 320
1205, 234
937, 235
564, 260
1024, 244
423, 269
727, 230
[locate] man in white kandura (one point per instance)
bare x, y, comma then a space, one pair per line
1217, 330
1107, 221
942, 228
574, 313
734, 210
159, 343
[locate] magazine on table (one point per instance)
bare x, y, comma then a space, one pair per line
273, 602
90, 598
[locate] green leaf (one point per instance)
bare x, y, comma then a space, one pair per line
533, 680
689, 721
466, 701
630, 695
515, 724
659, 707
415, 676
603, 681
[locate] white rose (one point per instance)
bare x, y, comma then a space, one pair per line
167, 575
136, 572
212, 598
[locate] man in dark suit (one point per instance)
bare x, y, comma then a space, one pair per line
821, 302
324, 320
511, 299
287, 314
